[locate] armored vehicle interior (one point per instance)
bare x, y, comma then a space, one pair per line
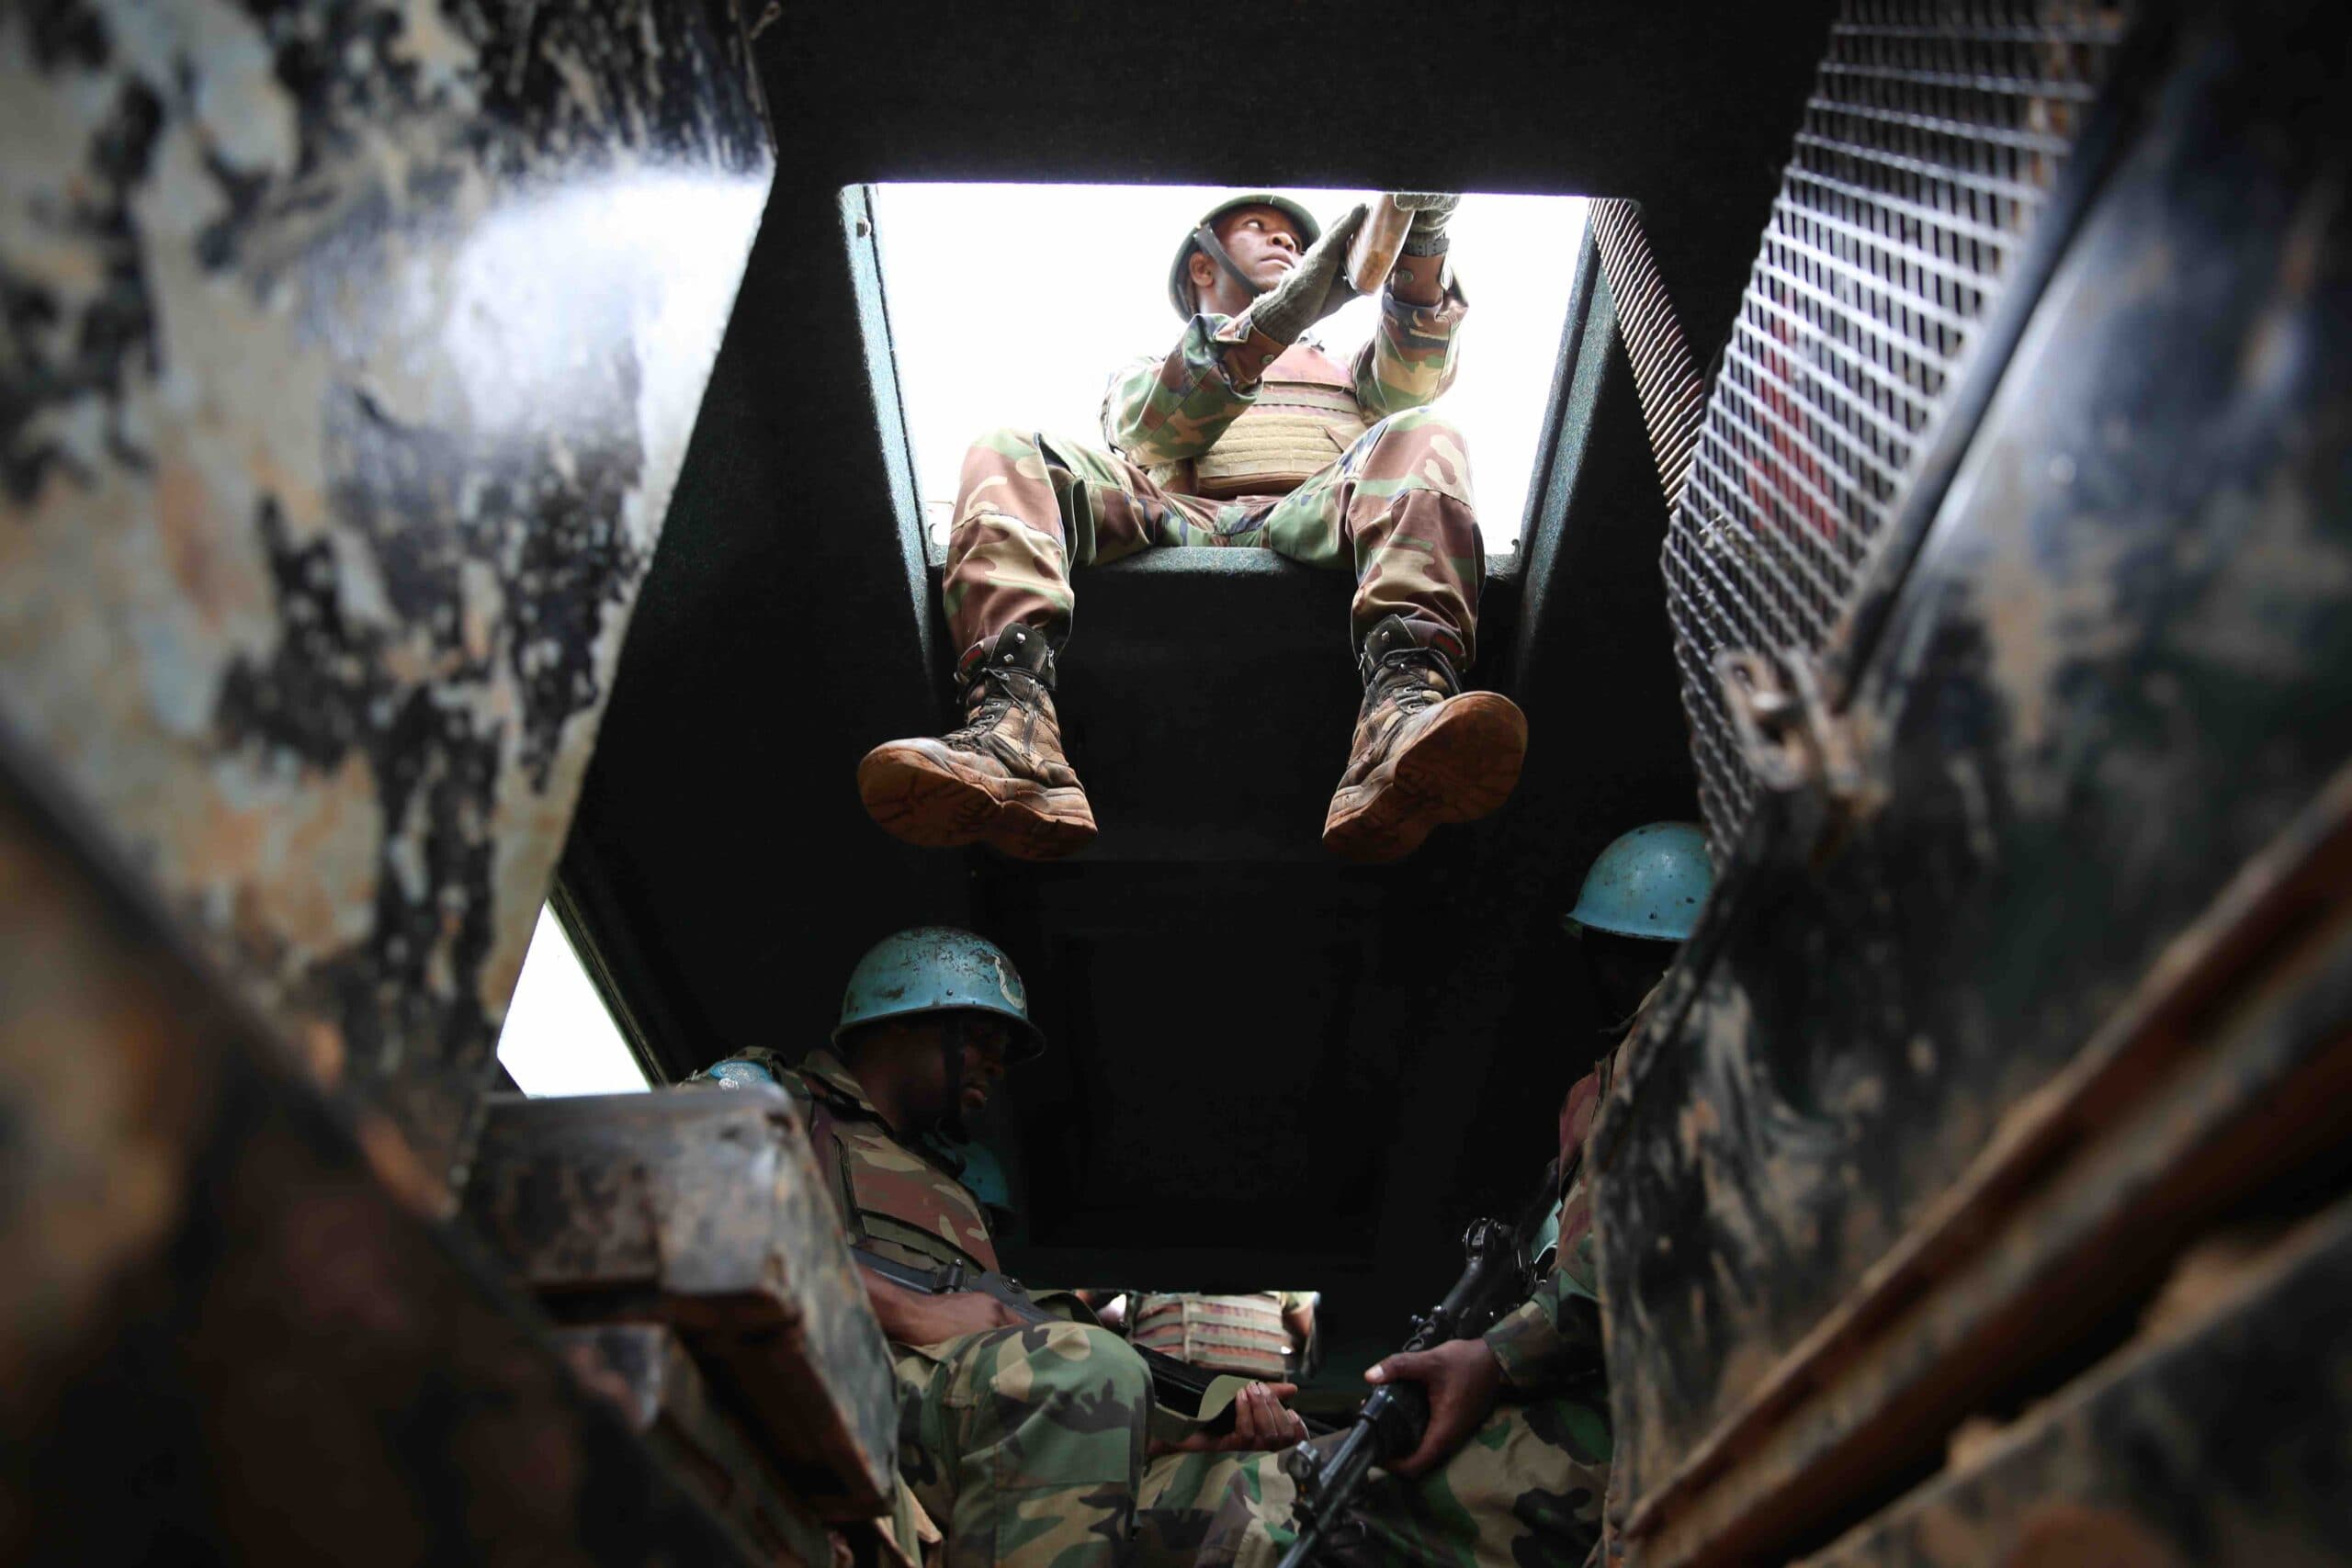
1269, 1067
453, 462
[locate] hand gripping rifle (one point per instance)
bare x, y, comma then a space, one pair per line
1391, 1422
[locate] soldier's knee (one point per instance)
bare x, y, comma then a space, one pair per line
1081, 1360
1124, 1377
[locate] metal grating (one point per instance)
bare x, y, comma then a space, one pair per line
1673, 395
1932, 140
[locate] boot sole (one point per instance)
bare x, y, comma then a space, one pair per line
1463, 767
917, 801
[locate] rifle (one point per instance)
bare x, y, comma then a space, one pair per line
1373, 254
1177, 1385
1391, 1422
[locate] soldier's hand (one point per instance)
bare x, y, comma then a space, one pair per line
915, 1317
1463, 1378
1260, 1420
1315, 288
1431, 209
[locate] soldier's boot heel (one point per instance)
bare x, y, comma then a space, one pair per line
1001, 779
1044, 824
923, 794
1425, 752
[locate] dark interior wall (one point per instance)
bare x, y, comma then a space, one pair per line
721, 865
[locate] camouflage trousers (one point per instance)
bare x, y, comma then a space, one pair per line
1393, 508
1526, 1488
1026, 1444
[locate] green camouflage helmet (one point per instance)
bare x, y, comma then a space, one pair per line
930, 969
1648, 883
1179, 288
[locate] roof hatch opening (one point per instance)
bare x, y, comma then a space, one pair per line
1014, 305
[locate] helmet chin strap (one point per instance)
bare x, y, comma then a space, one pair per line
1213, 248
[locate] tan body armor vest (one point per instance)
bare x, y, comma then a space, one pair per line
1304, 417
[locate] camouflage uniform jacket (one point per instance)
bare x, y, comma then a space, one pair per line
898, 1198
1553, 1340
1166, 413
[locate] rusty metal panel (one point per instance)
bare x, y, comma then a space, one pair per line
2221, 1435
228, 1333
350, 355
705, 1210
2221, 1078
2119, 675
643, 1368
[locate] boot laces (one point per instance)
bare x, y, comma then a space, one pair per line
1001, 697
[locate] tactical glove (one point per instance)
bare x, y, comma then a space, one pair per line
1313, 290
1429, 208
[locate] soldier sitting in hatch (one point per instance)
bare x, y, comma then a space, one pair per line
1243, 434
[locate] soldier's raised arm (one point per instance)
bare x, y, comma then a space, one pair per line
1171, 409
1412, 354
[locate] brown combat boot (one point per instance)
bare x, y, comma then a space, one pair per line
1001, 779
1425, 750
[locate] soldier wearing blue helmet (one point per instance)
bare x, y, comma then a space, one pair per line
1513, 1466
932, 1018
1637, 904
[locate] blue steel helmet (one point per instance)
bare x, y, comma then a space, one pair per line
1179, 287
929, 969
1649, 882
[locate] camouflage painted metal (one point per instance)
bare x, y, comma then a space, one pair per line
1649, 882
227, 1313
323, 498
1928, 1112
934, 969
2214, 1435
708, 1211
645, 1370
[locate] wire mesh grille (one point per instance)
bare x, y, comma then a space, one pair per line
1673, 395
1933, 138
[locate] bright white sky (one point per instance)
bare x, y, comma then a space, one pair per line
993, 324
558, 1039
